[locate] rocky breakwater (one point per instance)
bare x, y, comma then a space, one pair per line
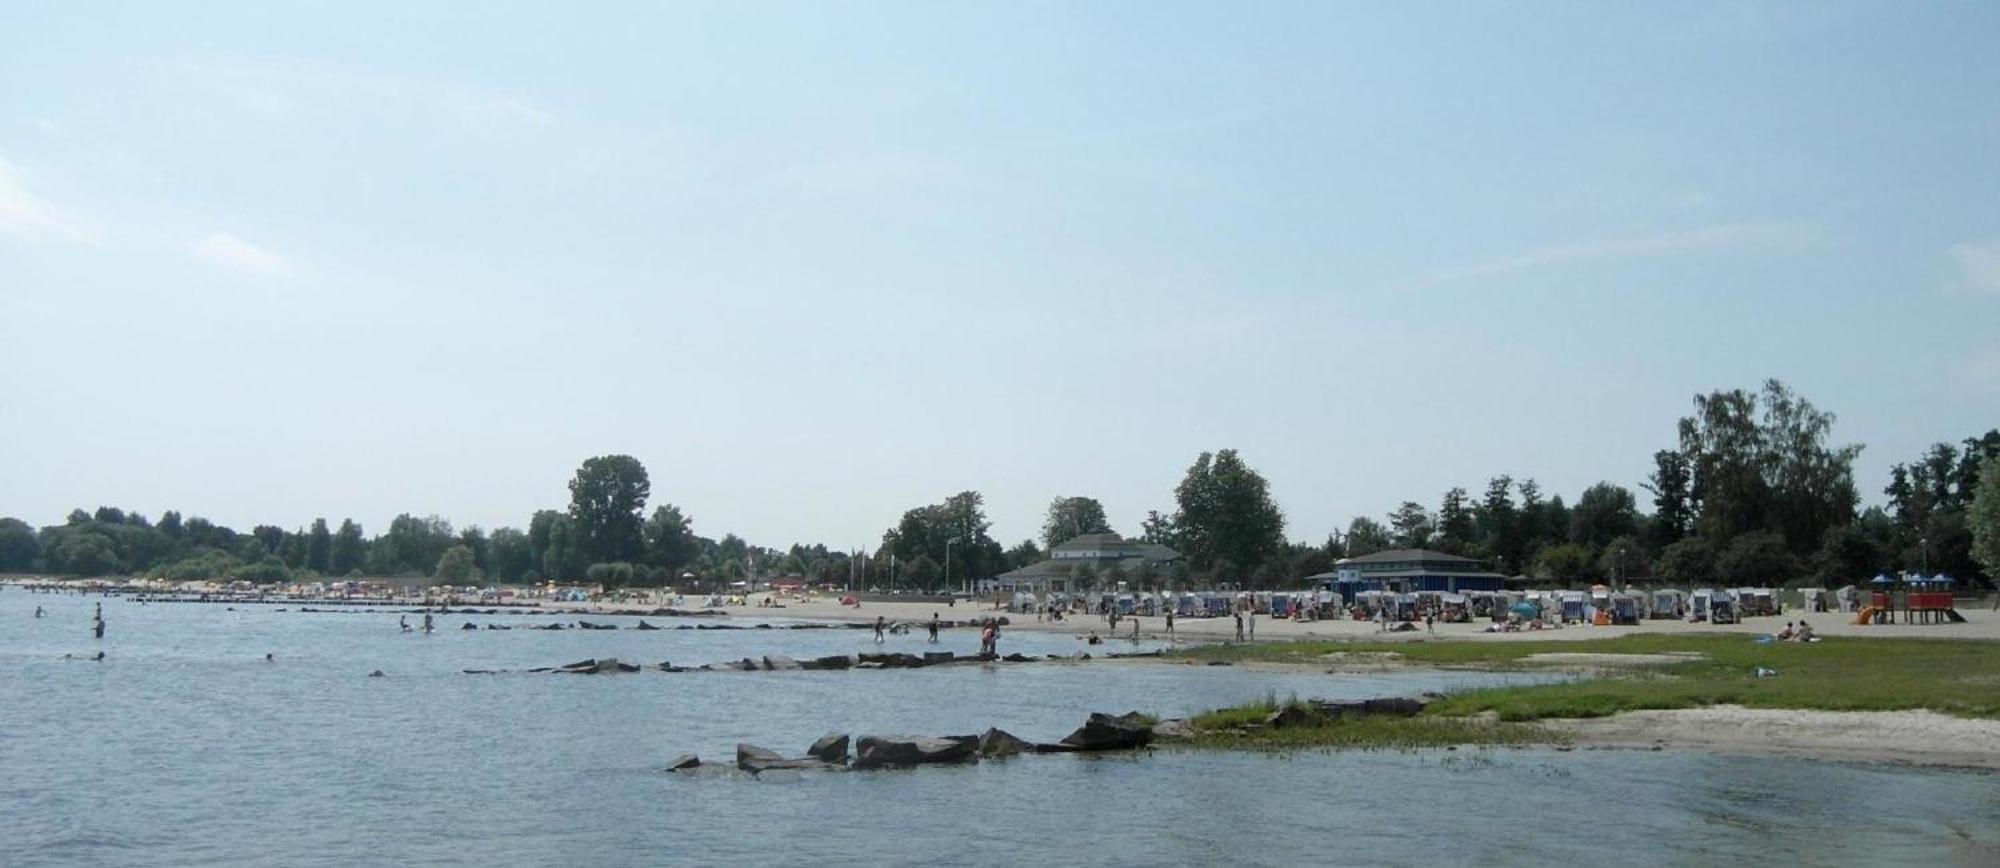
1101, 732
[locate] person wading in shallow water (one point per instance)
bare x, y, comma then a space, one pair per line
879, 624
934, 627
98, 624
427, 622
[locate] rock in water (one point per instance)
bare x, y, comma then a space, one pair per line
780, 663
683, 762
1000, 743
1174, 729
836, 661
878, 751
831, 747
1105, 732
750, 757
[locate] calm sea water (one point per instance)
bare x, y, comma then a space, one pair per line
186, 747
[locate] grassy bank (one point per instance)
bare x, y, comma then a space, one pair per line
1959, 677
1241, 727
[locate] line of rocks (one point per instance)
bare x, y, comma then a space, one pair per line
781, 663
1102, 732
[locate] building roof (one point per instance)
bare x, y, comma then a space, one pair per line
1401, 555
1118, 545
1062, 568
1423, 573
1092, 541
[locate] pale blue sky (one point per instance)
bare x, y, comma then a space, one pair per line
817, 263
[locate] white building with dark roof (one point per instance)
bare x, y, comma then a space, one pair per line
1408, 571
1105, 554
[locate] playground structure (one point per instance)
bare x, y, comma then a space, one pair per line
1925, 600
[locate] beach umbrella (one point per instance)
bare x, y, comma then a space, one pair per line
1882, 580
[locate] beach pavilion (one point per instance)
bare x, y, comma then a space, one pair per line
1406, 571
1106, 554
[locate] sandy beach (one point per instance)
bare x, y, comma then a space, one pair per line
1909, 737
1981, 623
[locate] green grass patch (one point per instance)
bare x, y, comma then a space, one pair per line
1241, 728
1952, 676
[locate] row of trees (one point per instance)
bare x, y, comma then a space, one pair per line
1753, 491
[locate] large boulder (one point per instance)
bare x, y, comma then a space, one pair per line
1107, 732
831, 747
1001, 743
750, 757
836, 661
757, 760
878, 751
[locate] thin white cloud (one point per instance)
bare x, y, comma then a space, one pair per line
1978, 264
229, 252
488, 112
25, 216
306, 89
1738, 235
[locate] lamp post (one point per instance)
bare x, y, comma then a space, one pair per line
1621, 570
1924, 544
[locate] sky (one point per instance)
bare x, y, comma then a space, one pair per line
818, 263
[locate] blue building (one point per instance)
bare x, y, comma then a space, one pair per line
1407, 571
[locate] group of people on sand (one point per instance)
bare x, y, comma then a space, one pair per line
1802, 633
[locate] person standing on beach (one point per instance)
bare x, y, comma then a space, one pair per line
1250, 617
1170, 622
1239, 626
879, 624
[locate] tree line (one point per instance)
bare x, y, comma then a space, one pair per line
1751, 491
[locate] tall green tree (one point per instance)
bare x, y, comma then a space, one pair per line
1071, 517
564, 559
1226, 515
1499, 526
1983, 517
606, 499
670, 539
1412, 525
1456, 529
319, 547
19, 549
511, 559
349, 549
1366, 536
1761, 462
455, 567
1604, 513
1673, 507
